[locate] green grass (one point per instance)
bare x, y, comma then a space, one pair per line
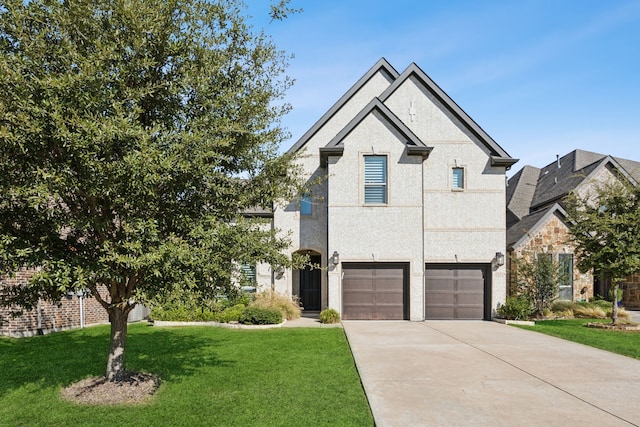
626, 343
210, 376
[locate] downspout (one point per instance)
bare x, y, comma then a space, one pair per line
81, 298
39, 311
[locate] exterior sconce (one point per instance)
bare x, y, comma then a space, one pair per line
499, 259
280, 272
335, 258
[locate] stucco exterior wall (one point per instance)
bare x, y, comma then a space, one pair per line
424, 219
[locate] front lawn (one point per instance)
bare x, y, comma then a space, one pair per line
621, 342
210, 376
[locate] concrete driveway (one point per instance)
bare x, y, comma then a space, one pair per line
473, 373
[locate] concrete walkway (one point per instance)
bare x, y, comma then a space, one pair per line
473, 373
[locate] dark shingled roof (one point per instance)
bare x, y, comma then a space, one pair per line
522, 227
531, 192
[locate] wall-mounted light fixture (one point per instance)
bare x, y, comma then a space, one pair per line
335, 258
499, 259
279, 272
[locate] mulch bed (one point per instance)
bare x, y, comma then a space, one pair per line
618, 327
135, 388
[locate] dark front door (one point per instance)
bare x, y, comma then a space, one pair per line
310, 285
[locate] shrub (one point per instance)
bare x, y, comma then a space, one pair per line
260, 316
288, 306
329, 315
516, 308
230, 314
602, 303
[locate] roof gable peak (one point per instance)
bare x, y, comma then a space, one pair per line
499, 156
414, 145
381, 66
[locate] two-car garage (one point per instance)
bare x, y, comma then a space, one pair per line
380, 291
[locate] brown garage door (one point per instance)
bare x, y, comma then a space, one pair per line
374, 291
456, 291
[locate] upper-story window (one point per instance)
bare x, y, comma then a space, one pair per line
457, 178
375, 180
306, 206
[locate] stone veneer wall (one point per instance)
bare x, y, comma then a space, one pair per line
554, 239
631, 291
53, 316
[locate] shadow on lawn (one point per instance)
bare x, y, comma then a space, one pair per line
62, 358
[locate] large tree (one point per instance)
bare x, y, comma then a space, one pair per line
606, 231
133, 134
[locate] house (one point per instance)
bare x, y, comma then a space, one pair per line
537, 222
406, 213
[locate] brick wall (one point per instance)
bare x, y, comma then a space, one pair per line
53, 317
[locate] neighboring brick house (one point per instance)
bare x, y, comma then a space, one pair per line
73, 311
537, 222
408, 220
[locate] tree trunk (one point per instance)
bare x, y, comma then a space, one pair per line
614, 307
115, 363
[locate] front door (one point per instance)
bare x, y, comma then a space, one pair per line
310, 285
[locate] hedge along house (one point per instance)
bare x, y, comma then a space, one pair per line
408, 218
537, 224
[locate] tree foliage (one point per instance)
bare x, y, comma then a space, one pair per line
606, 231
132, 135
537, 279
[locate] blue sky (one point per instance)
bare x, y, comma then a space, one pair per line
542, 77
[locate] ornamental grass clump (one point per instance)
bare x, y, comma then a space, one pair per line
287, 305
329, 315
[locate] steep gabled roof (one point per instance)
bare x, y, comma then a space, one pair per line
527, 227
414, 145
499, 157
528, 209
571, 171
520, 190
381, 66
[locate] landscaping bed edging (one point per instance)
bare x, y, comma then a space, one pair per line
165, 323
515, 322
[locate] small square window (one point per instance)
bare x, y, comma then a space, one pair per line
306, 206
457, 178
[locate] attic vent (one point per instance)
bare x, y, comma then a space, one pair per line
558, 160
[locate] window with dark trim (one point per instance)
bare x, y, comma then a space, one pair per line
565, 291
375, 180
248, 276
457, 178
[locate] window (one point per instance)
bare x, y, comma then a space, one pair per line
457, 178
248, 276
375, 179
565, 291
306, 205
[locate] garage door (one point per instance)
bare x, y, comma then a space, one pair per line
456, 291
374, 291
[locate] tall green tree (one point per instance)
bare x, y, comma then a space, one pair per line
606, 231
133, 133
